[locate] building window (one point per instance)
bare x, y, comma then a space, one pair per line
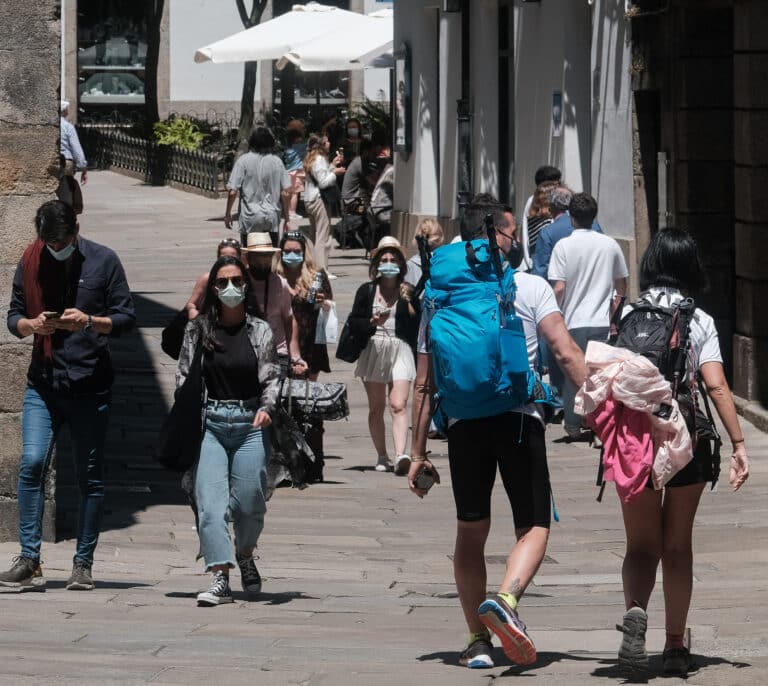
111, 55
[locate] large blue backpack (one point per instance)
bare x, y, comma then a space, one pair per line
477, 341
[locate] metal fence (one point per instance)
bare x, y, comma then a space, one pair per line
157, 164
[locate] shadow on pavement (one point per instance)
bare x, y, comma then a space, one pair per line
613, 670
266, 598
61, 583
140, 401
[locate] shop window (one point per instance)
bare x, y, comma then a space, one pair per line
111, 54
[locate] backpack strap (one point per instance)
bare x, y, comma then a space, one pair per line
718, 441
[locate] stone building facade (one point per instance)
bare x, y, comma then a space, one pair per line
29, 112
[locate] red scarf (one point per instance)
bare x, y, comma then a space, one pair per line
42, 291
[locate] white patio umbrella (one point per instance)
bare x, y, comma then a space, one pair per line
370, 44
274, 38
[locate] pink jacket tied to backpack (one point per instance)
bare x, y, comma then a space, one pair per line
622, 392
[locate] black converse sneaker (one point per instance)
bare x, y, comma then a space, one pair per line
249, 574
218, 593
25, 574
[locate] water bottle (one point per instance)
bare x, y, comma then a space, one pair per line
317, 284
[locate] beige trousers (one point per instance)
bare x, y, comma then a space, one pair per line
320, 230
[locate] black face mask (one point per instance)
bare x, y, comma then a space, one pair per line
515, 254
260, 273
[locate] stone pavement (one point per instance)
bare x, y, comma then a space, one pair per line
358, 580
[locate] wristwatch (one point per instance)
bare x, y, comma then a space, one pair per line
88, 324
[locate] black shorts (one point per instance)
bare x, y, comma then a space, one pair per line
476, 446
700, 470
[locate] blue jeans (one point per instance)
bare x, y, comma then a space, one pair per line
230, 481
43, 414
582, 336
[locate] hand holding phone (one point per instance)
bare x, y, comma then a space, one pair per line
424, 479
51, 315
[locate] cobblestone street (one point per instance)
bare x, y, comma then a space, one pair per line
358, 582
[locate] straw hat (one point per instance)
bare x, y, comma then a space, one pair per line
259, 242
388, 243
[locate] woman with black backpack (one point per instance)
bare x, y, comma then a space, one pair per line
659, 523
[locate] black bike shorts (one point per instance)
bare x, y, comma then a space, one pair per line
514, 442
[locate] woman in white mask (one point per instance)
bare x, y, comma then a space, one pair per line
240, 375
385, 310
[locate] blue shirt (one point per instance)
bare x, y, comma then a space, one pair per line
293, 157
70, 146
95, 284
548, 236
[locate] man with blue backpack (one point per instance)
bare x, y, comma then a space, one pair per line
477, 348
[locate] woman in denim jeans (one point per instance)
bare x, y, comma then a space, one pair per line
240, 373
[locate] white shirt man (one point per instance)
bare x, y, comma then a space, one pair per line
586, 269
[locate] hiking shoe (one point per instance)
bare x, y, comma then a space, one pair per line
678, 662
249, 575
477, 655
402, 465
219, 592
632, 652
384, 464
503, 621
25, 574
80, 579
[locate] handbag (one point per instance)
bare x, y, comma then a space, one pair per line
173, 334
351, 344
314, 399
182, 431
327, 327
331, 196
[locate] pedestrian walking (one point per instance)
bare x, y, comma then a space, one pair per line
546, 178
273, 296
386, 312
486, 426
241, 377
71, 294
293, 158
320, 193
70, 148
586, 270
430, 230
260, 180
296, 264
658, 517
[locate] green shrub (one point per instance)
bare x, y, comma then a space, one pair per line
179, 131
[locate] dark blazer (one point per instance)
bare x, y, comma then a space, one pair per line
406, 325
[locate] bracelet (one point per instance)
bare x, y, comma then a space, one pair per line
418, 458
741, 440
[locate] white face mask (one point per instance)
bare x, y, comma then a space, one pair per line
389, 270
353, 133
63, 254
231, 296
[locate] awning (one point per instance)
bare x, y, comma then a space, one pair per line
276, 37
368, 46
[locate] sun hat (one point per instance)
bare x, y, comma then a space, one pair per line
388, 243
259, 242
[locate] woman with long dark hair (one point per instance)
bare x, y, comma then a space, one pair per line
240, 374
659, 523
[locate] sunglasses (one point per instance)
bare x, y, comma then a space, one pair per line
230, 243
222, 283
294, 236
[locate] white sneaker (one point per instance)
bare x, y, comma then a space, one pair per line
402, 465
384, 464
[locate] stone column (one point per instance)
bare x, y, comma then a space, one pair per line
750, 70
29, 110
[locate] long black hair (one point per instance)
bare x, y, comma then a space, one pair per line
210, 312
672, 260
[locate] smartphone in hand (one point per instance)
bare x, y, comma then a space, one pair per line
425, 479
52, 315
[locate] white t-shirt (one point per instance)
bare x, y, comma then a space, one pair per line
534, 301
588, 262
705, 344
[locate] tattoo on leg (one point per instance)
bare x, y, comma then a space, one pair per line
516, 589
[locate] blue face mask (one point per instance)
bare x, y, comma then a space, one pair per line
63, 254
389, 269
231, 296
292, 259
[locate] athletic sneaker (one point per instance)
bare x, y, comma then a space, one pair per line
219, 592
632, 652
503, 621
402, 465
80, 579
25, 574
384, 464
249, 574
477, 655
678, 662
